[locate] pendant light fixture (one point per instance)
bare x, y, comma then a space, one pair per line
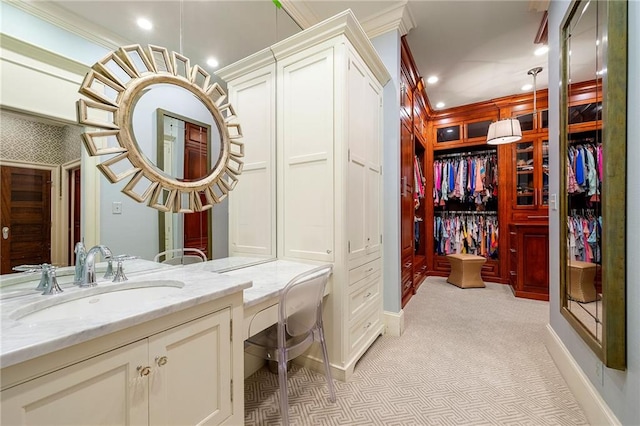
504, 131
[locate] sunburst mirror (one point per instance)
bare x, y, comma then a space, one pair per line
116, 87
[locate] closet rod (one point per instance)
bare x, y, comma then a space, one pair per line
465, 154
489, 213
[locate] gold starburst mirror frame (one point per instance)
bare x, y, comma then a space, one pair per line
113, 85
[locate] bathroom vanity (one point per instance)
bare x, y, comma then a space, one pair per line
157, 349
160, 348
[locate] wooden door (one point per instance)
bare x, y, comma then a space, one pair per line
406, 211
196, 165
25, 217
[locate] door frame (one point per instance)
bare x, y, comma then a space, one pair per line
57, 226
65, 214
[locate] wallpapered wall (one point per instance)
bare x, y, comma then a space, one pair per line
23, 139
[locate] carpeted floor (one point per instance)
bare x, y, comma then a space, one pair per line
467, 357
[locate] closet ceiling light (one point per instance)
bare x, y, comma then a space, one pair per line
527, 87
213, 62
433, 79
440, 105
504, 131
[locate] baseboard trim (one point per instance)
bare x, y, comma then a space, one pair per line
593, 406
394, 323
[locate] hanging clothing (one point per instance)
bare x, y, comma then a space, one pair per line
466, 233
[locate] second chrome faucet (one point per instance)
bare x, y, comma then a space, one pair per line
88, 270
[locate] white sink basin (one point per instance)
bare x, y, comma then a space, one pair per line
98, 300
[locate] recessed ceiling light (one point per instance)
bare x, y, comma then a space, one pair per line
212, 62
527, 87
144, 23
440, 105
541, 50
433, 79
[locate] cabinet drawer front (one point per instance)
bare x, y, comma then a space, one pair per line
362, 329
363, 295
364, 271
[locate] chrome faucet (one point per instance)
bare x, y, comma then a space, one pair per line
89, 266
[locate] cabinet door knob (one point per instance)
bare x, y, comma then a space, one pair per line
328, 251
161, 360
144, 371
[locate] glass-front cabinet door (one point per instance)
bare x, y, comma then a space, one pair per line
531, 174
525, 174
544, 189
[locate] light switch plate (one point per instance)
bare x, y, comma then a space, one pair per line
553, 201
116, 207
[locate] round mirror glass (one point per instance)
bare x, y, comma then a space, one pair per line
173, 129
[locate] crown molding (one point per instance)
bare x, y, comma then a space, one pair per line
397, 17
344, 23
70, 22
300, 12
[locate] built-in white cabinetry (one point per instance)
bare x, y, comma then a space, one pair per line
181, 375
328, 145
252, 209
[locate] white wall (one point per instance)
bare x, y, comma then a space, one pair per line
619, 389
388, 47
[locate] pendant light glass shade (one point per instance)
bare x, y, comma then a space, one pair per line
504, 131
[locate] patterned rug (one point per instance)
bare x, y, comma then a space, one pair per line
467, 357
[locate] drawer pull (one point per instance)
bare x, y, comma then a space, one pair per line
512, 250
161, 360
368, 270
144, 371
368, 295
366, 327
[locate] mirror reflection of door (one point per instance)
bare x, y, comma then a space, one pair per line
185, 153
74, 208
25, 217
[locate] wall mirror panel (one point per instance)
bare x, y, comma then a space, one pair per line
593, 177
123, 224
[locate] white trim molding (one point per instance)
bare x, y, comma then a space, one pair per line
300, 12
395, 17
394, 323
594, 407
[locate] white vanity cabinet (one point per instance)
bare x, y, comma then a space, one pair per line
327, 112
178, 376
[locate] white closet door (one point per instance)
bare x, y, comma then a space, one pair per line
307, 135
252, 204
357, 159
373, 132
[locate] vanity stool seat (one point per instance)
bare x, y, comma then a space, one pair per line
581, 281
465, 270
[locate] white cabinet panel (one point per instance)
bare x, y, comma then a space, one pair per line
252, 202
307, 155
105, 390
191, 380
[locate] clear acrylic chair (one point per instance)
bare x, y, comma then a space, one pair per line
181, 256
299, 325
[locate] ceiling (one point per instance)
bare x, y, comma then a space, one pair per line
479, 49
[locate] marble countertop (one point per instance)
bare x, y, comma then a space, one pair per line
268, 279
22, 340
269, 276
